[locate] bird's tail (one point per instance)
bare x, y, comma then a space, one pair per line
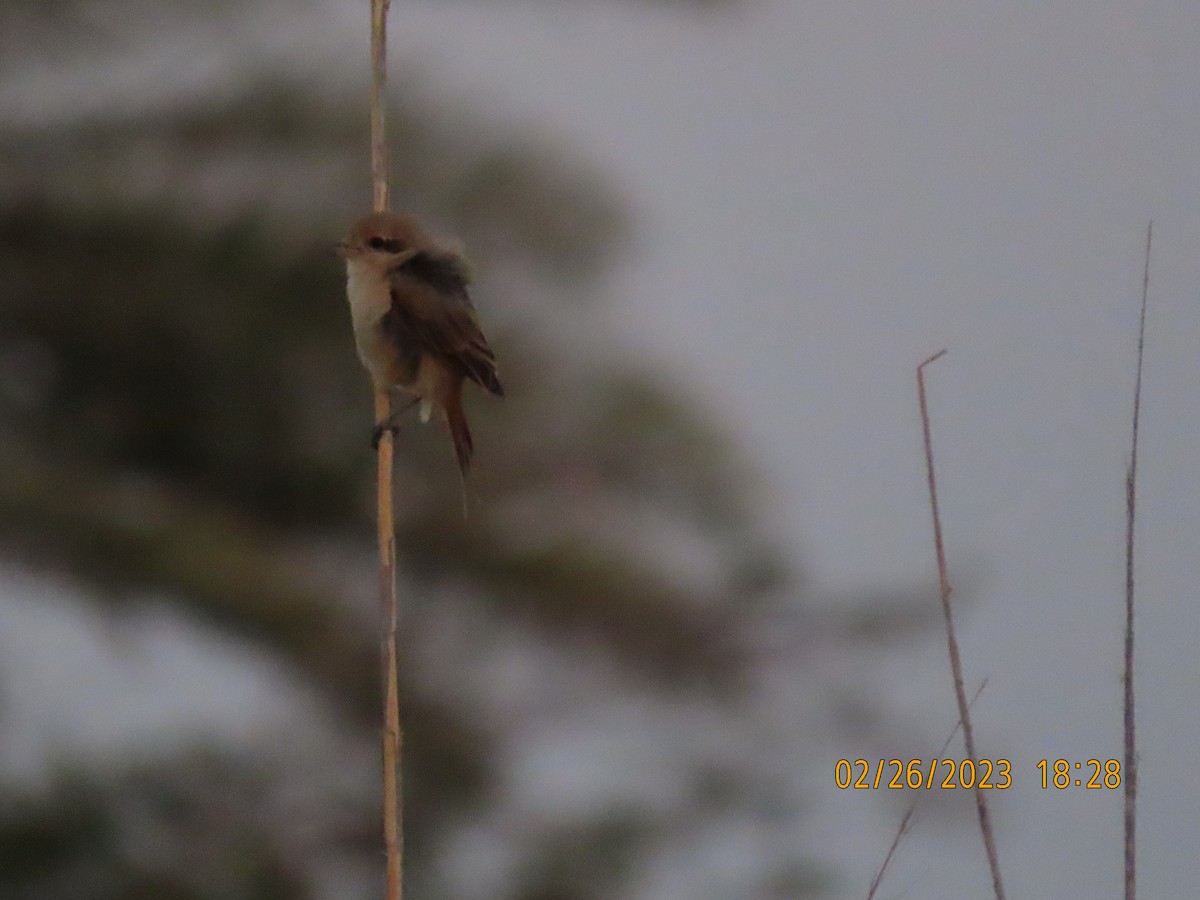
460, 436
460, 432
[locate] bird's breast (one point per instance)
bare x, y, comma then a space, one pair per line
370, 299
368, 293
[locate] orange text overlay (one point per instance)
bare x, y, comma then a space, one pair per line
924, 774
1092, 774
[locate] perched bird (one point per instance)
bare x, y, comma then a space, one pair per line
414, 324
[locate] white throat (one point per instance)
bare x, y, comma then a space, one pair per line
370, 298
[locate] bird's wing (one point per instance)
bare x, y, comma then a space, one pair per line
431, 307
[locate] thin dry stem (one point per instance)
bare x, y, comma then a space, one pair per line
1130, 773
392, 736
379, 156
960, 694
904, 822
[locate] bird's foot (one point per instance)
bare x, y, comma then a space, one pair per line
391, 423
382, 428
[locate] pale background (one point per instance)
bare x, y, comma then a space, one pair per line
826, 194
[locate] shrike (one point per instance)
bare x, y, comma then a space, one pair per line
414, 324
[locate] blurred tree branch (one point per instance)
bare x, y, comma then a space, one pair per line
181, 412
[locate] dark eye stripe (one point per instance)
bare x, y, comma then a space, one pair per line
378, 243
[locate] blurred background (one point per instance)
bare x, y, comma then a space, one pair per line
712, 240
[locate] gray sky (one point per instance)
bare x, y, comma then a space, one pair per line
827, 193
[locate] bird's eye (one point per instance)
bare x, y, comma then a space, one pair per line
378, 243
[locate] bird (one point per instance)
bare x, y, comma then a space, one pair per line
415, 327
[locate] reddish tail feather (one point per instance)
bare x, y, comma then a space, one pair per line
460, 432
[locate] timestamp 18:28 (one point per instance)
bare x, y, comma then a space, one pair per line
1062, 773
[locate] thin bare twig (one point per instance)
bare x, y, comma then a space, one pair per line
904, 822
393, 736
1130, 773
379, 154
960, 694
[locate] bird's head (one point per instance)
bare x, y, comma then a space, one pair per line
385, 239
